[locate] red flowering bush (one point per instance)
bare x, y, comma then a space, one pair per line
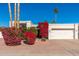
33, 29
30, 37
14, 37
43, 27
10, 37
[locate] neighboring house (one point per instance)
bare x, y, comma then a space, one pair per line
22, 23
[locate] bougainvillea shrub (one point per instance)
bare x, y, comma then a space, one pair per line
23, 29
43, 29
31, 37
24, 37
14, 36
10, 37
33, 29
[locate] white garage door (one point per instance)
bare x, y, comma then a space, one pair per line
61, 34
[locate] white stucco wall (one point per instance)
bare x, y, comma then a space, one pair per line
1, 35
29, 24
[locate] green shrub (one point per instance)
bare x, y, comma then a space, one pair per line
34, 30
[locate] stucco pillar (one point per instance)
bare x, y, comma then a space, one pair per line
76, 31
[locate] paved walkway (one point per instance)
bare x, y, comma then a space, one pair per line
48, 48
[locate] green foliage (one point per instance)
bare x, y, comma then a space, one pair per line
56, 10
53, 21
28, 29
20, 34
34, 30
0, 29
44, 39
24, 28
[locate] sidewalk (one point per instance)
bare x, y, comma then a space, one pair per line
49, 48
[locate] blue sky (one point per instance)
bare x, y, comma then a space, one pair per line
40, 12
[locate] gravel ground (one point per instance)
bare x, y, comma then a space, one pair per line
48, 48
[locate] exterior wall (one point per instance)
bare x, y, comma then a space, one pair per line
63, 31
29, 24
34, 25
1, 35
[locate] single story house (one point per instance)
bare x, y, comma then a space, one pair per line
57, 31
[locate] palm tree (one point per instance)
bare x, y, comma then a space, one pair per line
53, 21
10, 13
56, 12
18, 15
15, 20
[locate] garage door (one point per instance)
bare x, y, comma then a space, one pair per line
61, 34
61, 31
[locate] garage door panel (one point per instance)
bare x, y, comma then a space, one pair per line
61, 34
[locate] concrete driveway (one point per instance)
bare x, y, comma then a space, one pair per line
48, 48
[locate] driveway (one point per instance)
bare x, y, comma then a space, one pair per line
48, 48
